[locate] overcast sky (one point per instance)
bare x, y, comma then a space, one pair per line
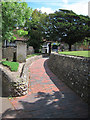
49, 6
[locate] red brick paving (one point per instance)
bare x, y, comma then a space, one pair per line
48, 98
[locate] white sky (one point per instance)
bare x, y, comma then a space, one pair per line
49, 6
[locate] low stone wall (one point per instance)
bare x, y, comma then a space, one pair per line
8, 53
25, 73
17, 83
74, 71
30, 50
12, 86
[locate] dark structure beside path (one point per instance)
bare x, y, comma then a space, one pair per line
73, 71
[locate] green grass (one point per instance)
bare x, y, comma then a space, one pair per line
13, 66
77, 53
3, 59
28, 56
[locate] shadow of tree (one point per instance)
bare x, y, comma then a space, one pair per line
49, 105
64, 89
53, 77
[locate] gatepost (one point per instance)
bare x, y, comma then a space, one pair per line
21, 51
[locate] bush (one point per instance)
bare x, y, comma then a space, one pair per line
13, 66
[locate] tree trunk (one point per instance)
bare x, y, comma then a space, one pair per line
69, 47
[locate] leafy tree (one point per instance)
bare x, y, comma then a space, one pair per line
14, 14
67, 26
35, 26
21, 32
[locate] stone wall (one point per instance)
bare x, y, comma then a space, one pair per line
12, 87
8, 53
16, 83
30, 50
74, 71
25, 73
21, 51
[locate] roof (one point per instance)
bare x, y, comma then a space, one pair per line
19, 38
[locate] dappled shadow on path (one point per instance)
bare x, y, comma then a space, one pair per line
56, 104
59, 84
45, 106
64, 89
69, 95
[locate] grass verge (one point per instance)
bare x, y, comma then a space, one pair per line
77, 53
28, 56
13, 66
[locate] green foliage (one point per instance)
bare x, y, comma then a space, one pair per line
85, 42
35, 26
68, 26
77, 53
12, 65
22, 32
14, 14
11, 0
10, 36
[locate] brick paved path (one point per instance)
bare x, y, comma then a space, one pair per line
48, 97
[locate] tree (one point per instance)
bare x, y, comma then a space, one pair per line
67, 26
14, 14
35, 28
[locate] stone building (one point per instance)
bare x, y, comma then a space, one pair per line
16, 50
46, 48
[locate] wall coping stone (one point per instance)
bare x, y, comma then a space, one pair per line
72, 56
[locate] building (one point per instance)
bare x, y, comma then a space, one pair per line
16, 50
46, 48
